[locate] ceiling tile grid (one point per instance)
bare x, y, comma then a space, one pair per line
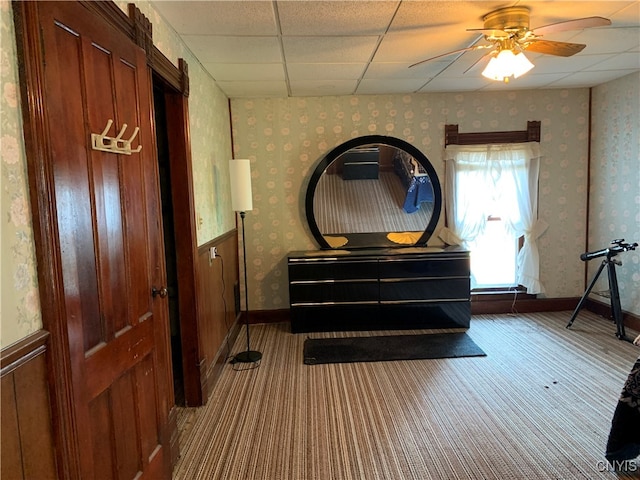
294, 48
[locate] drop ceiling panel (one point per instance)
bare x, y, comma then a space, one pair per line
246, 72
623, 61
379, 70
560, 65
329, 49
218, 49
318, 47
336, 71
415, 47
627, 16
236, 89
548, 12
335, 18
586, 79
379, 86
220, 17
455, 84
421, 16
311, 88
599, 40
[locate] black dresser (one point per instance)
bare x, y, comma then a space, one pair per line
361, 164
382, 289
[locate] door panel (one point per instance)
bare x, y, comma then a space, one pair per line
125, 429
105, 181
111, 252
103, 460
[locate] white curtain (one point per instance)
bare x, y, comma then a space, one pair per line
496, 179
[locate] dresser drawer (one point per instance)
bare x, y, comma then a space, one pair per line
433, 289
331, 291
310, 269
431, 267
451, 314
360, 171
334, 318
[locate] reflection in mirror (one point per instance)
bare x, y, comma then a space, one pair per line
374, 195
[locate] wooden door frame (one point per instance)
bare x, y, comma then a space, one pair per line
181, 178
43, 207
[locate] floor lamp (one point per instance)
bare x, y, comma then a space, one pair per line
241, 201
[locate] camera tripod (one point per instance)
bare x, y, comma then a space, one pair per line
614, 293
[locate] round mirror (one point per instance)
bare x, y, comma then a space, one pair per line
373, 191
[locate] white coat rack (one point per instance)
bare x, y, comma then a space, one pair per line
118, 145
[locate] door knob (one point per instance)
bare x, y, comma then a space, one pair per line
159, 292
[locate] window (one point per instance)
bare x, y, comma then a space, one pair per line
493, 255
491, 199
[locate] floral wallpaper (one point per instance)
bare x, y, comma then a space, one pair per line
285, 138
19, 299
614, 197
210, 148
210, 132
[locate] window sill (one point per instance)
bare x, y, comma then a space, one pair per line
500, 294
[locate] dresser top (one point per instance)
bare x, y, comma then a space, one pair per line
380, 252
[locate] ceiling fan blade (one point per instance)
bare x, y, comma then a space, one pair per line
577, 24
549, 47
462, 50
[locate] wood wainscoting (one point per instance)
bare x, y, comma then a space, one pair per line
27, 432
217, 305
488, 303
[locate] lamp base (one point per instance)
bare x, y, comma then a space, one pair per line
248, 356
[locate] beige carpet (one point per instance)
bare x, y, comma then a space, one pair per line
538, 406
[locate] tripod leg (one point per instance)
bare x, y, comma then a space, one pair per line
586, 293
616, 309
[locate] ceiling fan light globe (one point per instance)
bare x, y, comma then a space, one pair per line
499, 67
506, 65
491, 70
521, 65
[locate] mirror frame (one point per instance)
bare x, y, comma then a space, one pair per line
359, 142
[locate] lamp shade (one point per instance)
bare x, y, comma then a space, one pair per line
240, 173
521, 65
506, 64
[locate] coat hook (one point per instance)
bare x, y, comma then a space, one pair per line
107, 128
135, 133
100, 141
124, 127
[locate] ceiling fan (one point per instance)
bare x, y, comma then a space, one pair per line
508, 35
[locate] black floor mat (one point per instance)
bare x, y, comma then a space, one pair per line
389, 347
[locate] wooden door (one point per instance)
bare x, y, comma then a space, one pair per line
109, 241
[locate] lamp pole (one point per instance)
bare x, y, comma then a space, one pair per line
248, 356
241, 201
